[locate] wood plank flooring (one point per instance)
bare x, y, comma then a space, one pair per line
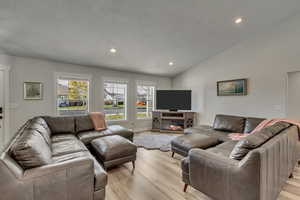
158, 177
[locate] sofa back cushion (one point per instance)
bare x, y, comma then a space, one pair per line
251, 123
229, 123
61, 124
83, 123
31, 150
40, 125
257, 139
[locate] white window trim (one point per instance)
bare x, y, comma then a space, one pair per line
64, 75
6, 107
115, 79
120, 81
145, 83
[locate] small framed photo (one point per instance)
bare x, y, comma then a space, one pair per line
236, 87
33, 90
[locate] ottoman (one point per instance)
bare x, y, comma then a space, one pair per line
114, 150
183, 144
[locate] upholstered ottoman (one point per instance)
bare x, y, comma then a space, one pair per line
183, 144
114, 150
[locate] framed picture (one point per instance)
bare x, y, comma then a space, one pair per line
33, 91
236, 87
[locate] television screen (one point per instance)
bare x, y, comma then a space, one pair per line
173, 99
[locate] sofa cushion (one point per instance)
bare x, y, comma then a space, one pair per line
251, 123
41, 121
229, 123
69, 156
87, 136
209, 131
63, 137
83, 123
67, 146
61, 124
31, 150
42, 128
223, 149
257, 139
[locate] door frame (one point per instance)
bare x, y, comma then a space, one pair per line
5, 70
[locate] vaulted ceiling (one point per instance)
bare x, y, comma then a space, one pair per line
147, 34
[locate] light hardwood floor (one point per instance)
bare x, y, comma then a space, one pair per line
158, 177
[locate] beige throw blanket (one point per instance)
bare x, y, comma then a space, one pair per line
98, 120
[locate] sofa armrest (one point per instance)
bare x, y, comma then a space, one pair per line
224, 178
56, 167
72, 179
205, 165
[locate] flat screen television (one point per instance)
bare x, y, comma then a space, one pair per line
173, 100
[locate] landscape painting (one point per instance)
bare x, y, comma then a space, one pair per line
236, 87
33, 90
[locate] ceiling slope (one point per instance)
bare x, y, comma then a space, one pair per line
146, 34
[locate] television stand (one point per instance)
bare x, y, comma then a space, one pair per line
171, 121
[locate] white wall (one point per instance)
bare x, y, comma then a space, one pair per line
5, 63
293, 95
264, 60
27, 69
2, 138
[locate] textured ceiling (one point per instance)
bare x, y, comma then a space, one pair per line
146, 33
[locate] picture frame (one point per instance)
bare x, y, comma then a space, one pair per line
236, 87
33, 91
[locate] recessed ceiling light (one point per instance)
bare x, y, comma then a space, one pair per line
113, 50
238, 20
171, 63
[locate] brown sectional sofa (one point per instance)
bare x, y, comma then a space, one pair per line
50, 159
269, 158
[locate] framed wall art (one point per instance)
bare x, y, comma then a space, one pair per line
33, 90
237, 87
